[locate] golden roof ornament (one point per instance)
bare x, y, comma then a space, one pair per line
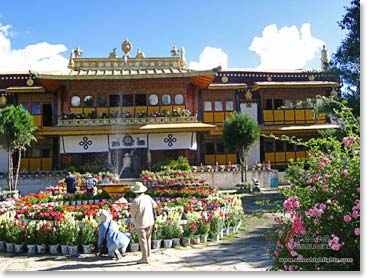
182, 59
174, 51
126, 47
113, 54
139, 53
78, 52
71, 60
30, 81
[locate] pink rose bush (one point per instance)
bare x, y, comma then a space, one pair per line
322, 207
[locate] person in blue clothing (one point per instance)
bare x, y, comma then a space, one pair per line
70, 181
116, 240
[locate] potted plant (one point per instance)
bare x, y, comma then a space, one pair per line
88, 234
19, 230
167, 235
156, 236
176, 233
134, 241
54, 240
216, 225
203, 229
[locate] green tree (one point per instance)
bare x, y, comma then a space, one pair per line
240, 132
17, 132
346, 60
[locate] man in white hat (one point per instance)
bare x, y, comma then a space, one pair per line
142, 213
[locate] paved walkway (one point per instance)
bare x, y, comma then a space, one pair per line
244, 252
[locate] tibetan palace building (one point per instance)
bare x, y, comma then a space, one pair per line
154, 109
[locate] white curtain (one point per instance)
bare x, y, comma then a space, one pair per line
84, 144
173, 141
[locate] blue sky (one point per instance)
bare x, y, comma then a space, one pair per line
42, 33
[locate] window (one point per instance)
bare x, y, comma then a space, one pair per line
229, 105
218, 106
101, 101
127, 100
75, 101
153, 99
140, 99
115, 101
279, 146
166, 99
45, 153
179, 99
36, 109
207, 106
209, 148
220, 148
288, 104
299, 104
88, 101
268, 104
268, 147
290, 147
25, 106
309, 103
278, 103
36, 152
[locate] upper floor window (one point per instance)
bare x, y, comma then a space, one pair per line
25, 106
36, 109
88, 101
75, 101
229, 105
278, 103
208, 106
102, 101
166, 99
179, 99
218, 106
115, 101
268, 104
127, 100
140, 99
153, 99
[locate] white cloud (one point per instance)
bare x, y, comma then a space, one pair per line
286, 48
41, 57
210, 57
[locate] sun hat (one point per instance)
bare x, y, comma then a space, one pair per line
126, 154
106, 214
89, 175
139, 188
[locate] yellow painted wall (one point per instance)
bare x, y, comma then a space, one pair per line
34, 164
218, 117
37, 120
46, 164
209, 159
208, 117
278, 116
232, 158
268, 116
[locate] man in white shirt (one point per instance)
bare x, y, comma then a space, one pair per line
142, 213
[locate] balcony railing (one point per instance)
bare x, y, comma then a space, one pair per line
126, 121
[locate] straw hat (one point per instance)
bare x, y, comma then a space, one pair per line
139, 188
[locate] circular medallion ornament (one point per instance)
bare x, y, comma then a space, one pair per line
128, 140
30, 82
224, 79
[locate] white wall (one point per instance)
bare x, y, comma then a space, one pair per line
254, 153
3, 160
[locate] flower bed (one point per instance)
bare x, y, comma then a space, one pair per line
186, 200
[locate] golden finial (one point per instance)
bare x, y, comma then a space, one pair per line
126, 47
139, 53
182, 58
113, 54
174, 51
78, 52
71, 60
